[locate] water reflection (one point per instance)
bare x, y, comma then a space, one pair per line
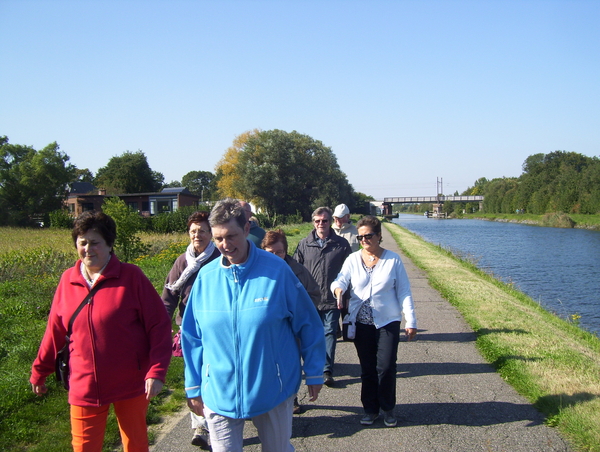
560, 268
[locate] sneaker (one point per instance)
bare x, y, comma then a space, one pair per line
369, 418
389, 419
328, 379
201, 438
297, 408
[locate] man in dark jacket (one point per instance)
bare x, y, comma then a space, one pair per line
323, 253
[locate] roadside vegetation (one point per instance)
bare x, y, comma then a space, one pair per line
31, 262
550, 361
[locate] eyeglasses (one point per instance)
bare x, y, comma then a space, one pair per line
321, 221
366, 236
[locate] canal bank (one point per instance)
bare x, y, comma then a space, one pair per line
449, 398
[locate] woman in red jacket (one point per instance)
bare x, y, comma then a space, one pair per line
120, 345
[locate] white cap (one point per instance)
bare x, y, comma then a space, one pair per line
341, 211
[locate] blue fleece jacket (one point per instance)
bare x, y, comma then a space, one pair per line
239, 335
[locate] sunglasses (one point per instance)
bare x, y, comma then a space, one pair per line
321, 221
366, 236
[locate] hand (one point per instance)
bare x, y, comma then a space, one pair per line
196, 405
410, 333
313, 392
39, 390
338, 294
153, 387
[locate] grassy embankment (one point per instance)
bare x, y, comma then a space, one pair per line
551, 219
31, 262
551, 362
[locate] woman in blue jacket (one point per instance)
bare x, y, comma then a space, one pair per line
239, 330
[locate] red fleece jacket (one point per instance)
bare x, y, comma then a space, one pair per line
119, 340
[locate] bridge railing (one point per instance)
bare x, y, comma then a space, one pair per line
441, 198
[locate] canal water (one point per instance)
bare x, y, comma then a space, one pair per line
559, 268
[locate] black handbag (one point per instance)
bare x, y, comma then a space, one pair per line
62, 356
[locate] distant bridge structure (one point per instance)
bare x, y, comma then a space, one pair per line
432, 199
437, 201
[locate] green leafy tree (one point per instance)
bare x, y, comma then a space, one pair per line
32, 183
128, 173
84, 175
173, 184
128, 245
200, 183
285, 173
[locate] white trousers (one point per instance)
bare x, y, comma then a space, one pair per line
274, 429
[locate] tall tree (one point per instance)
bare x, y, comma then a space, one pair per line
84, 175
227, 176
201, 183
32, 183
128, 173
287, 173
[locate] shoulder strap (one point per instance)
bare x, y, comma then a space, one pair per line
85, 301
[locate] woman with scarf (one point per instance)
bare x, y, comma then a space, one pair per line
180, 280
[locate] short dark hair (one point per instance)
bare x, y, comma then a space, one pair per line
226, 210
197, 217
373, 222
93, 220
272, 237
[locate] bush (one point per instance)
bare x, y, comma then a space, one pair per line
557, 220
128, 246
60, 219
165, 223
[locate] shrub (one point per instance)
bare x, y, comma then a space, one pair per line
60, 219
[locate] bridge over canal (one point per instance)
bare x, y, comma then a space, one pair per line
436, 201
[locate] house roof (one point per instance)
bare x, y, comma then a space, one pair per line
81, 188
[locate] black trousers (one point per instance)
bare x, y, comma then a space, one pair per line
377, 350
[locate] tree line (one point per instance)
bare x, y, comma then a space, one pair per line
283, 173
559, 181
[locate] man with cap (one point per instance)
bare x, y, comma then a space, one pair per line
344, 227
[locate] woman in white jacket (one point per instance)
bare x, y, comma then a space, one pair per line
379, 294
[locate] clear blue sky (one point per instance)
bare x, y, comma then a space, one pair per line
403, 92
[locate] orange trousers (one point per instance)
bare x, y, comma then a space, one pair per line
88, 425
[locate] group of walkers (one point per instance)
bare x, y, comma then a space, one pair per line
252, 320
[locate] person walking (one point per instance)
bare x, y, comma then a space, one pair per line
379, 295
275, 242
178, 286
120, 341
256, 233
344, 227
323, 252
239, 336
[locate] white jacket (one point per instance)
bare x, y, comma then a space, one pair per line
388, 288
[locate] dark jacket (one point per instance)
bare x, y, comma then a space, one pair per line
324, 264
309, 283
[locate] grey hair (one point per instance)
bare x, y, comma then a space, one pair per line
226, 210
321, 211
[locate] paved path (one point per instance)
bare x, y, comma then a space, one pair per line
448, 397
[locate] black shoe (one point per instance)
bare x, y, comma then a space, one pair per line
297, 408
389, 419
201, 439
328, 379
369, 418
